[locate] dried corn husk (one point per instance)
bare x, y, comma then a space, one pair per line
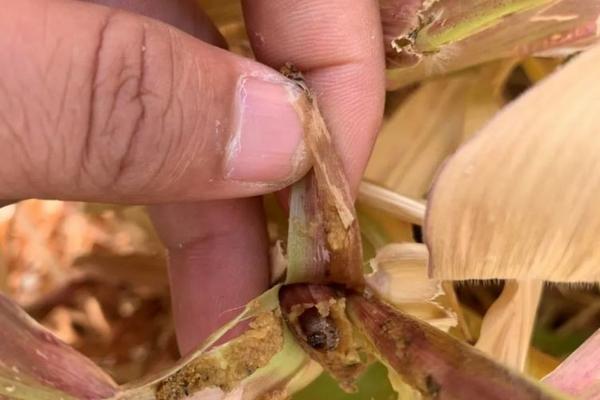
519, 200
430, 125
400, 274
508, 324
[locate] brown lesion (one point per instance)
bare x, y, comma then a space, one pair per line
432, 386
226, 366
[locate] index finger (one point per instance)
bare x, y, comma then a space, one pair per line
338, 45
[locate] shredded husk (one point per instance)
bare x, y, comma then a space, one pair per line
225, 368
400, 274
149, 388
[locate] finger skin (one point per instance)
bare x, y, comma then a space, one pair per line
338, 45
217, 250
218, 262
185, 15
100, 104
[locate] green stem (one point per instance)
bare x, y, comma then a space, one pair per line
479, 20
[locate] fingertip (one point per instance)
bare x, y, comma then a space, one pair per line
268, 143
338, 45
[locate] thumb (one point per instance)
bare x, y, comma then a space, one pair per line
99, 104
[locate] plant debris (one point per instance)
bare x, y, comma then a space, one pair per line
227, 366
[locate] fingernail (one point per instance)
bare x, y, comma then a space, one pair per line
267, 143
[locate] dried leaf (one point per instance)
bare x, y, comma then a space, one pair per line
508, 324
430, 125
539, 364
485, 95
419, 136
451, 299
146, 271
519, 201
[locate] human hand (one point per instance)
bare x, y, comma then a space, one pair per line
102, 105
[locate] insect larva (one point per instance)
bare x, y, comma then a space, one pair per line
321, 332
